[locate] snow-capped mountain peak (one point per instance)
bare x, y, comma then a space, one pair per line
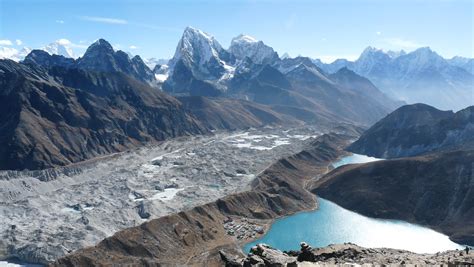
244, 46
60, 47
153, 62
196, 44
201, 53
371, 52
424, 58
463, 62
13, 53
395, 54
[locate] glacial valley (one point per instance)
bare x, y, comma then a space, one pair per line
79, 205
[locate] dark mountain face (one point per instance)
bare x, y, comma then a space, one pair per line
299, 83
436, 190
340, 94
42, 58
417, 129
99, 57
183, 82
68, 115
353, 82
271, 76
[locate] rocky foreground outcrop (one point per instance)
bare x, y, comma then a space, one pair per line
345, 254
436, 190
198, 234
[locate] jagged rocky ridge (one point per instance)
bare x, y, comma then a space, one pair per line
198, 234
416, 129
99, 57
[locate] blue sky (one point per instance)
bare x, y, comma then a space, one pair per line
326, 29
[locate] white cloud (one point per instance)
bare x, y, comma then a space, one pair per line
378, 33
133, 47
104, 20
402, 43
68, 43
63, 41
18, 42
8, 52
6, 42
60, 21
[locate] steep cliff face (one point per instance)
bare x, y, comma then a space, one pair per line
416, 129
60, 116
198, 234
436, 190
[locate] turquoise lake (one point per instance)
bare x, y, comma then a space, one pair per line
332, 224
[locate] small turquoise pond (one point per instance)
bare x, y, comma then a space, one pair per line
354, 158
332, 224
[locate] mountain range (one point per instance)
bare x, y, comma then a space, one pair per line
203, 87
421, 76
252, 70
56, 110
418, 76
